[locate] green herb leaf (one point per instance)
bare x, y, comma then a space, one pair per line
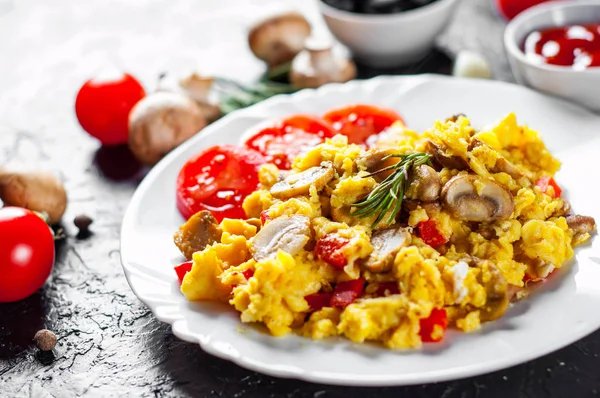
390, 192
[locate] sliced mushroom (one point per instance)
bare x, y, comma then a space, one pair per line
424, 184
372, 160
300, 183
443, 160
386, 244
287, 233
581, 224
564, 210
473, 198
201, 230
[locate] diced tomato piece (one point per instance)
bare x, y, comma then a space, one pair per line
345, 293
545, 182
264, 217
183, 269
316, 301
438, 317
329, 249
430, 233
389, 287
248, 274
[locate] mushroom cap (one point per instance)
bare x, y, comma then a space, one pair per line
299, 183
277, 39
287, 233
474, 198
160, 122
319, 64
424, 184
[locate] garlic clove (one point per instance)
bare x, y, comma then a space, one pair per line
320, 63
199, 89
471, 64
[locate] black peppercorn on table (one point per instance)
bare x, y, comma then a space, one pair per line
109, 344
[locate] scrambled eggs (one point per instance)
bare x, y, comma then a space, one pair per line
479, 220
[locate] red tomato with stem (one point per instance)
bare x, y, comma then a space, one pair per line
511, 8
282, 143
218, 179
26, 253
359, 122
103, 103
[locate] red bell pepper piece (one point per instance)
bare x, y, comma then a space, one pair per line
345, 293
317, 301
390, 287
183, 269
248, 274
438, 317
545, 182
328, 249
430, 233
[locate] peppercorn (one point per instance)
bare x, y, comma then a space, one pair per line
45, 340
83, 222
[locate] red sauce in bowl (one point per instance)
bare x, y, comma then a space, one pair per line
576, 46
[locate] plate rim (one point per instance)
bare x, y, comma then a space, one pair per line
319, 377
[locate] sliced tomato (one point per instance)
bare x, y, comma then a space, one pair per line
283, 142
359, 122
431, 235
183, 269
546, 182
218, 179
345, 293
329, 247
317, 301
438, 317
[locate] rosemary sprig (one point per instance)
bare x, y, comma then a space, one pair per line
390, 192
234, 96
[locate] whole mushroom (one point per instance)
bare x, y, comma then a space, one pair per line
36, 191
318, 64
277, 39
160, 122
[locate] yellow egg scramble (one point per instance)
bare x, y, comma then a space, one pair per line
530, 243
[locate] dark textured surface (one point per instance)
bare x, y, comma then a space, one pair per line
109, 343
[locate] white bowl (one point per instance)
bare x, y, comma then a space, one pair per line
582, 87
387, 40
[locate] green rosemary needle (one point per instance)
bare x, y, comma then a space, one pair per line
390, 192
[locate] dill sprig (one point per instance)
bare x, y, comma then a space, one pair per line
390, 192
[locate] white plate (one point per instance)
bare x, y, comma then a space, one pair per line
563, 310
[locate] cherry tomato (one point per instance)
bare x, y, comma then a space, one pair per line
438, 317
218, 179
26, 253
329, 247
359, 122
544, 183
511, 8
282, 143
103, 104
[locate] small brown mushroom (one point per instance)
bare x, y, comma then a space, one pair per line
443, 160
36, 191
386, 244
319, 64
160, 122
201, 230
198, 88
423, 184
581, 224
287, 233
473, 198
300, 183
277, 39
